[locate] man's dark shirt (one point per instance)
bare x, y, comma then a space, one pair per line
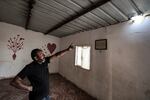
38, 76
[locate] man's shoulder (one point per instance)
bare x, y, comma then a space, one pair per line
47, 59
30, 64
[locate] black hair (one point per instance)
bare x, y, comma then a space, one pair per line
34, 53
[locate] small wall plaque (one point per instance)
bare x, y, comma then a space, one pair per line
101, 44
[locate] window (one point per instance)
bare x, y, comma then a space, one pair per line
82, 56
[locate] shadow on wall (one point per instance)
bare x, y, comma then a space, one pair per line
147, 94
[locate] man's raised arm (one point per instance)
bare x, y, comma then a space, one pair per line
61, 53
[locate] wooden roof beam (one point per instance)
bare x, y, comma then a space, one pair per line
30, 7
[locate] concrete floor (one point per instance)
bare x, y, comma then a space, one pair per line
60, 89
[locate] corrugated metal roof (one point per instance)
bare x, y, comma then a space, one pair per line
65, 17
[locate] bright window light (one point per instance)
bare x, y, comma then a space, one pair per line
82, 56
137, 19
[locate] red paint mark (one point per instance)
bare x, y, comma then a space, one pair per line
15, 44
44, 50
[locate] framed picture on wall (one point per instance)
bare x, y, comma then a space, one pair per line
101, 44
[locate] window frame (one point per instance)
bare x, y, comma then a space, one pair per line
81, 67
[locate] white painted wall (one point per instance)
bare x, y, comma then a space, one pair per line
10, 67
129, 47
120, 73
96, 81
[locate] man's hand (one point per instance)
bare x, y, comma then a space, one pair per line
18, 83
30, 88
70, 47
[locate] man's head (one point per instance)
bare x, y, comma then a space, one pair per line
37, 55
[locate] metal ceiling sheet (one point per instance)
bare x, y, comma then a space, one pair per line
55, 14
63, 31
82, 3
59, 6
13, 12
49, 9
97, 19
46, 14
77, 24
44, 17
113, 12
88, 22
70, 4
83, 23
125, 6
143, 5
102, 14
75, 6
74, 27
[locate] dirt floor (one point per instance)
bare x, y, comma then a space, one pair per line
60, 89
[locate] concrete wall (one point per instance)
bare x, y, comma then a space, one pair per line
120, 73
96, 81
10, 67
130, 60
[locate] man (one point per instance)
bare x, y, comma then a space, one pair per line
38, 75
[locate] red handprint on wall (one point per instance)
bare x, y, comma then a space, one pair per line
15, 44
